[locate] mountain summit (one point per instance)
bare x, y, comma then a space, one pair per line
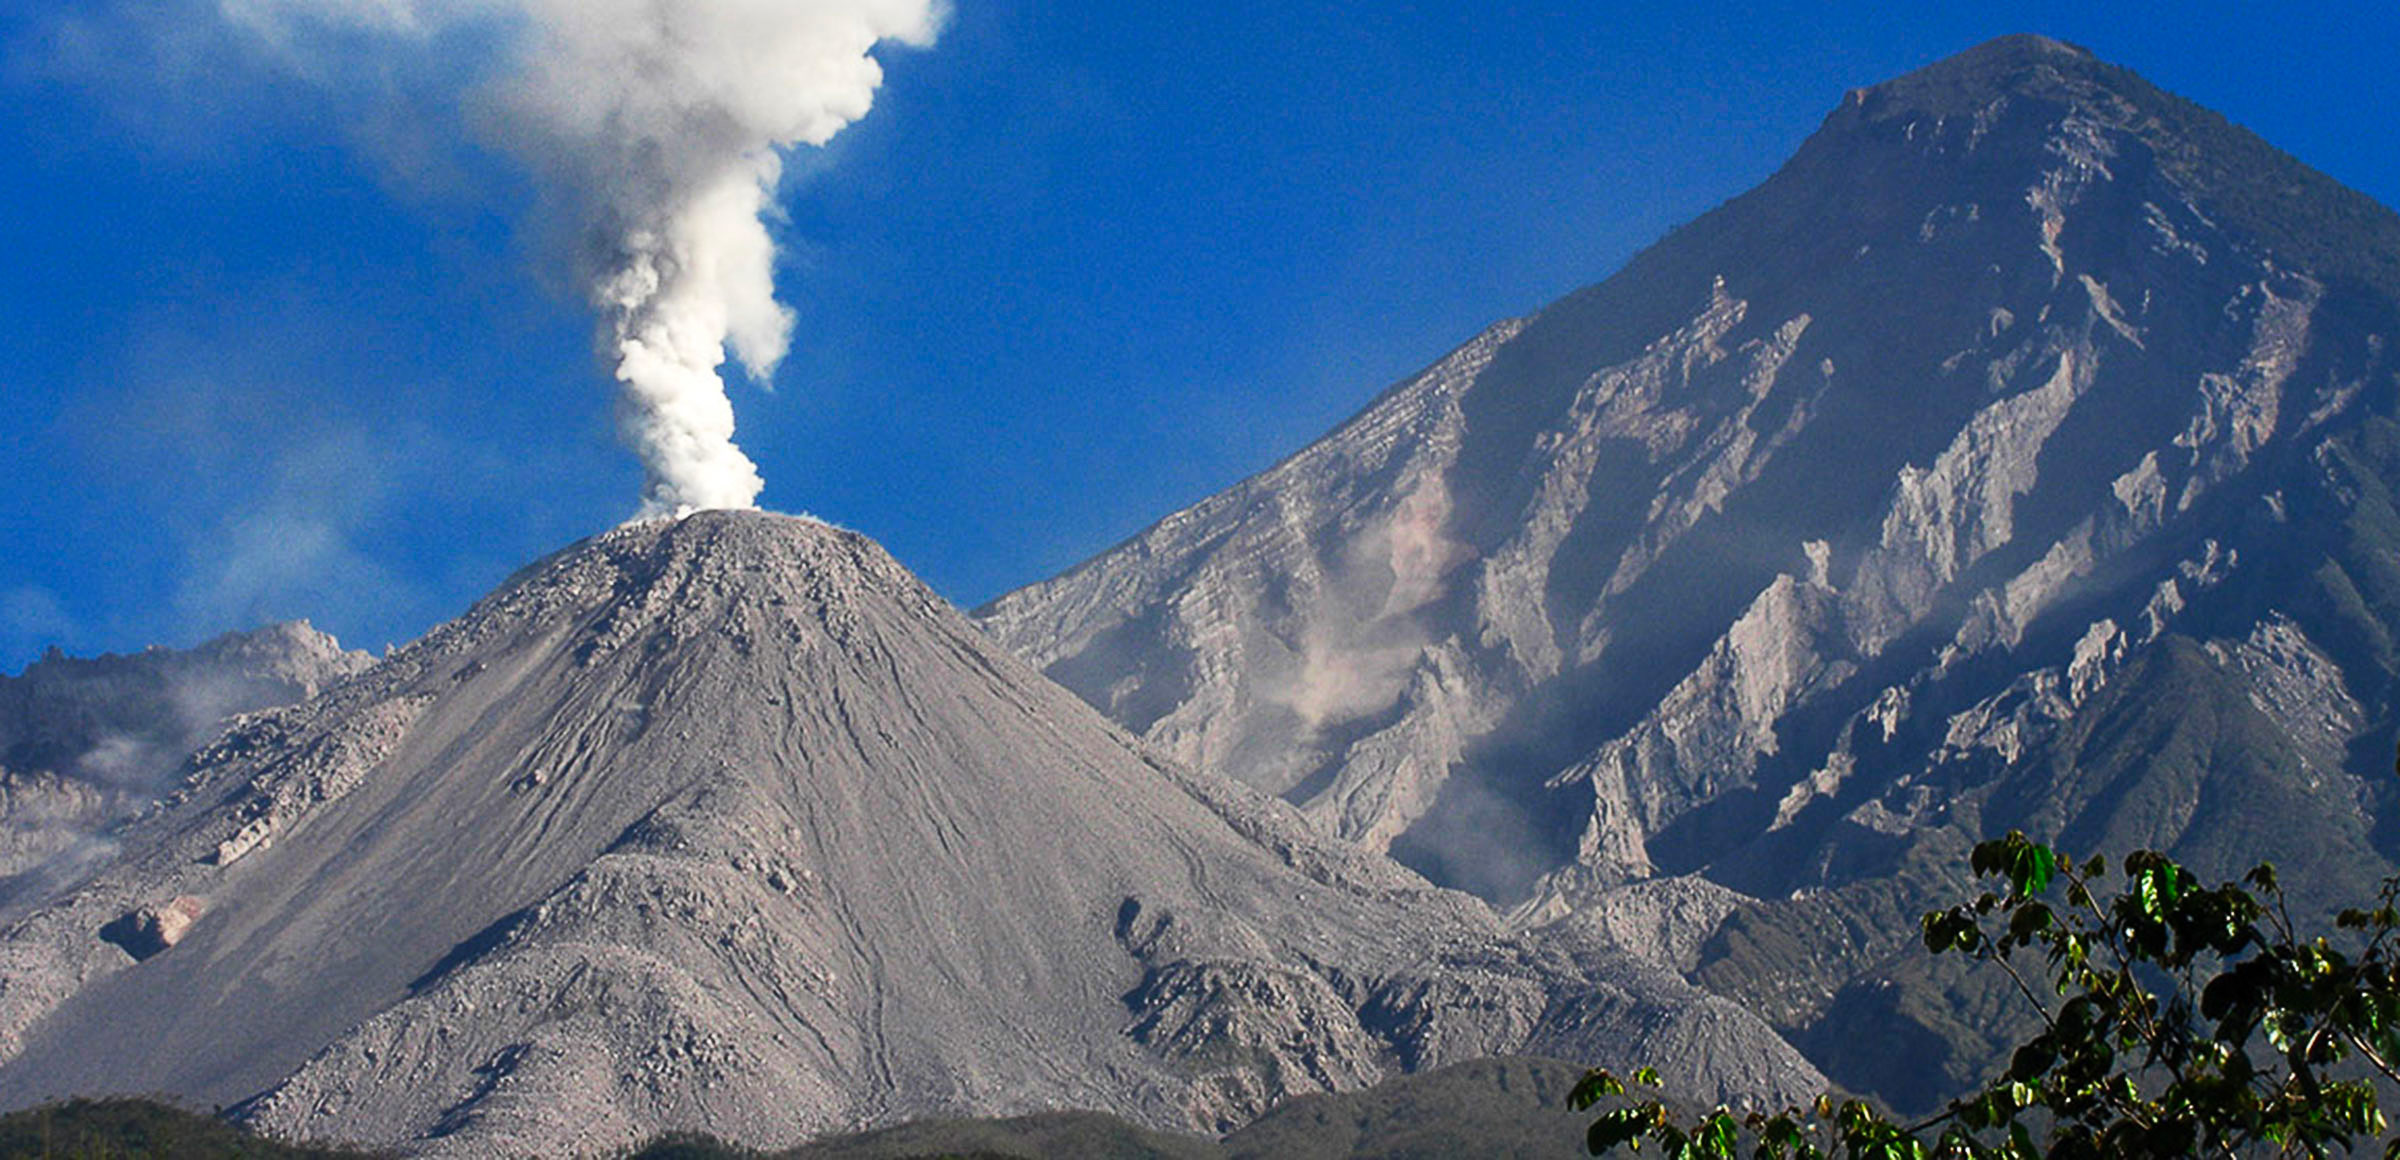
2022, 453
729, 823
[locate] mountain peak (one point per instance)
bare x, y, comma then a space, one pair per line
752, 548
2022, 64
742, 581
2260, 194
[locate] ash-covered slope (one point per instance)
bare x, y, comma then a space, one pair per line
1910, 496
85, 742
730, 823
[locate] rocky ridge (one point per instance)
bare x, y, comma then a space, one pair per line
85, 743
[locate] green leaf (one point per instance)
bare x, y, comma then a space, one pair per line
2031, 1060
1594, 1084
2277, 1024
1988, 858
1614, 1128
2228, 992
1936, 926
1721, 1135
2153, 890
2029, 920
2030, 869
2020, 1139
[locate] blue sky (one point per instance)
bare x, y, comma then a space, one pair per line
274, 353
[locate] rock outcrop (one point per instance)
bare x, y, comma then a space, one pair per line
149, 930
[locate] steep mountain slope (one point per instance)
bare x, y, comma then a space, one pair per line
2021, 453
729, 823
86, 742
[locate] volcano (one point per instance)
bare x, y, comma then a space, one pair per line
730, 823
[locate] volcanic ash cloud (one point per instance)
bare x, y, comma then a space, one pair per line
655, 129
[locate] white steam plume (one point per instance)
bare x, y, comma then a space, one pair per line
654, 127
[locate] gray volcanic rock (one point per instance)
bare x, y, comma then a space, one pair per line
130, 720
1831, 521
85, 743
729, 823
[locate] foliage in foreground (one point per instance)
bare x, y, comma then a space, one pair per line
2181, 1020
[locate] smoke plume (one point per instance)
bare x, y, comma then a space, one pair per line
655, 131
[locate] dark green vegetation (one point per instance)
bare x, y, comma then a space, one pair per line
2183, 1020
1498, 1108
128, 1129
1092, 1134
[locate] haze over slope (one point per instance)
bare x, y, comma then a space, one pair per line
2021, 454
730, 823
87, 742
